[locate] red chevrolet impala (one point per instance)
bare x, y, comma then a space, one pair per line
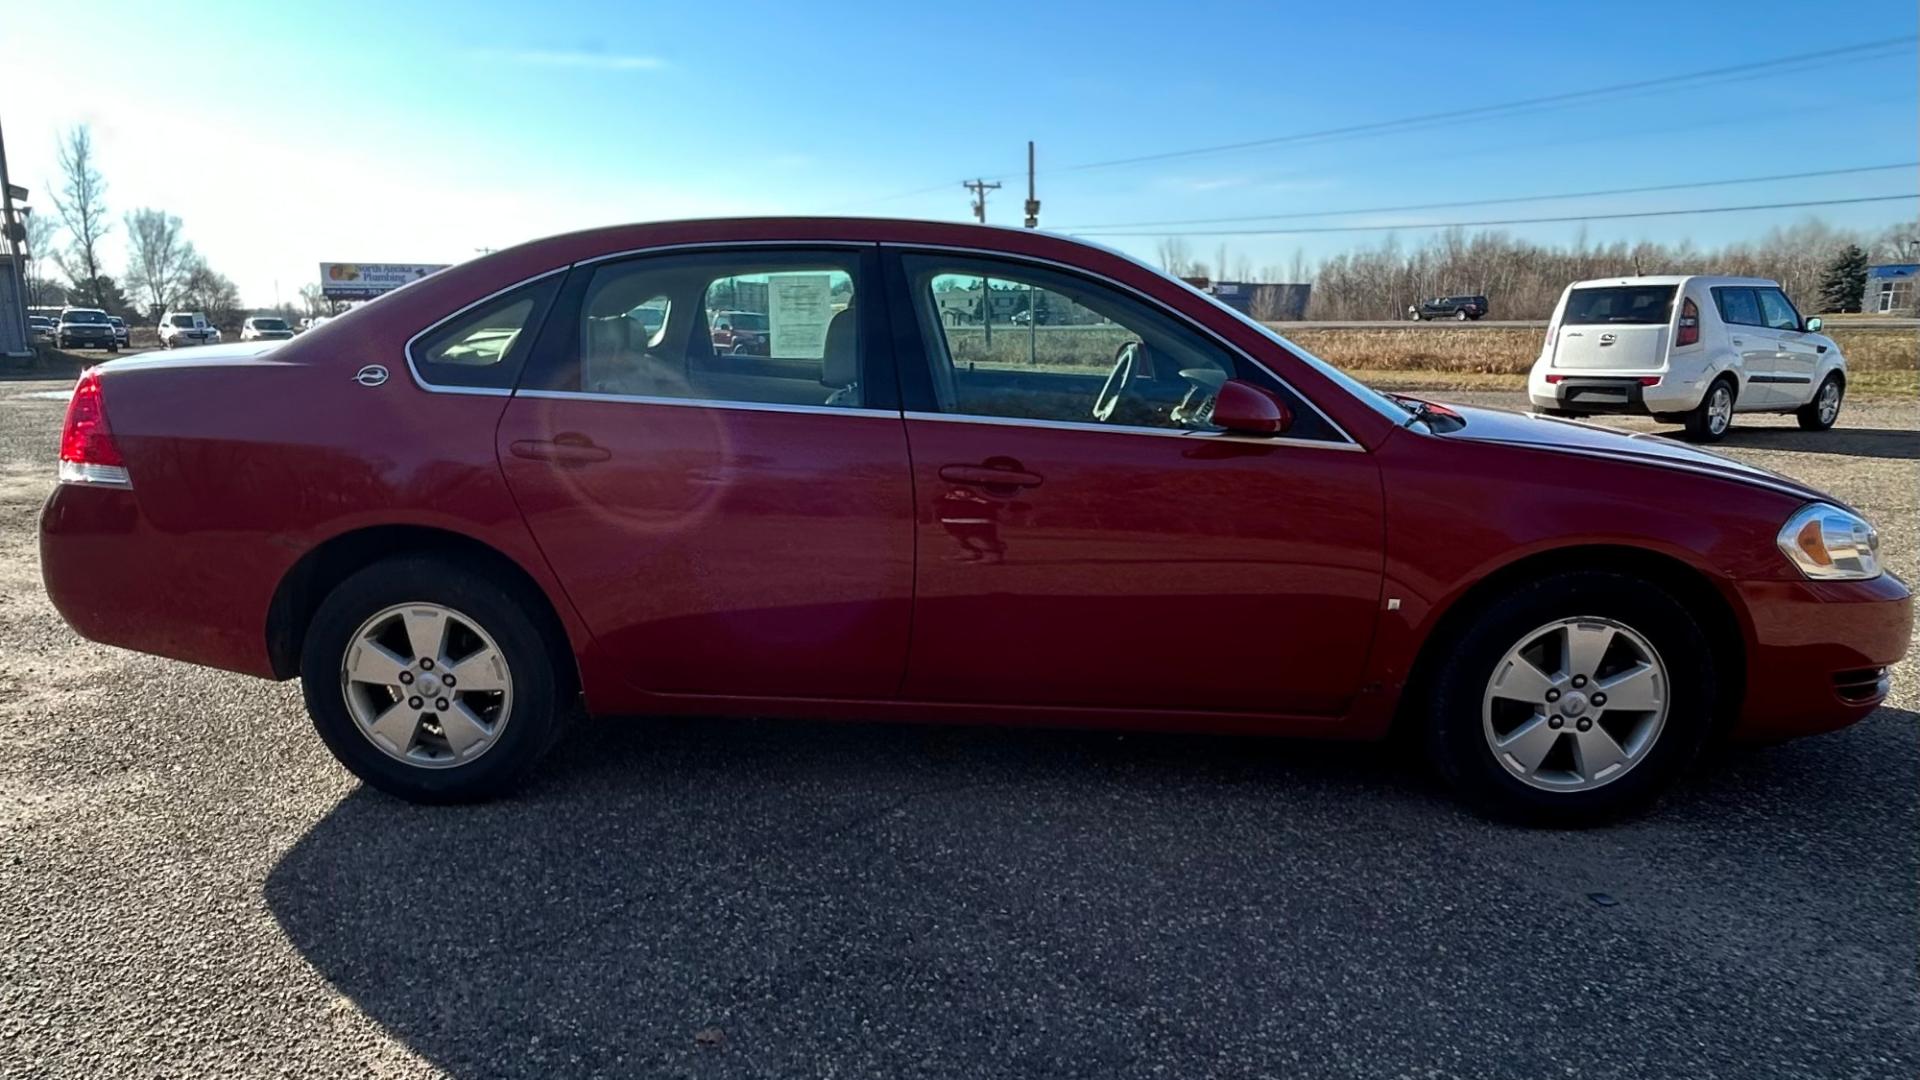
532, 483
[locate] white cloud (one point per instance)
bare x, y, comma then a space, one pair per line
565, 58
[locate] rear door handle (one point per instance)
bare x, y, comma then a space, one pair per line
569, 448
984, 476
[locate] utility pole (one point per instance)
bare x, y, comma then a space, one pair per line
1033, 204
980, 189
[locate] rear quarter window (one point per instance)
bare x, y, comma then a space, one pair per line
484, 346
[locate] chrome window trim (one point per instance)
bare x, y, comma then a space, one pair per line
1156, 304
477, 391
1129, 429
708, 403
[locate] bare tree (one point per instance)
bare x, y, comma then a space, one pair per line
1174, 255
208, 291
158, 259
40, 290
82, 203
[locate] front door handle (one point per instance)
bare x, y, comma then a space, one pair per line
988, 477
1737, 341
567, 448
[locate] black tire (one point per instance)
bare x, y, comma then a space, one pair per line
541, 681
1809, 414
1700, 422
1456, 740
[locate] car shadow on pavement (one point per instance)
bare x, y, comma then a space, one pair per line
698, 897
1844, 441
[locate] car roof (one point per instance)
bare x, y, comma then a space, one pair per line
1672, 279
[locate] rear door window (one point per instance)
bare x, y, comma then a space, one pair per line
1617, 304
1738, 306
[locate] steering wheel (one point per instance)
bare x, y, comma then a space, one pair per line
1118, 380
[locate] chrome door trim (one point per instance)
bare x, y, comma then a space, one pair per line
707, 403
1128, 429
1159, 305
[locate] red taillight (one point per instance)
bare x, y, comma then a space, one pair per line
1689, 324
1555, 378
1649, 380
88, 453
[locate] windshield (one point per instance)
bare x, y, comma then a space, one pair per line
182, 320
84, 316
1619, 304
269, 324
117, 321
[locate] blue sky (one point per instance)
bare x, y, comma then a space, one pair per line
420, 132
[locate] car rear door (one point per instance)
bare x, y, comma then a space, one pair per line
725, 524
1756, 344
1147, 561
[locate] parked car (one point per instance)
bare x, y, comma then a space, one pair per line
1687, 350
265, 328
85, 328
458, 515
42, 329
120, 331
179, 328
1460, 308
740, 332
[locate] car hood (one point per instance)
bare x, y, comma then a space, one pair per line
1512, 428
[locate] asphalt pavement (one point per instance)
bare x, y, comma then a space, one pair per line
190, 887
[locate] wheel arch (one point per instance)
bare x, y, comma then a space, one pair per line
315, 574
1720, 618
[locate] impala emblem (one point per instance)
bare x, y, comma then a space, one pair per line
1606, 339
371, 375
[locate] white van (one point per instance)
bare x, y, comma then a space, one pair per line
179, 328
1686, 349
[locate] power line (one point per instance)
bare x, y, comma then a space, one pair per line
1512, 221
1294, 215
1764, 68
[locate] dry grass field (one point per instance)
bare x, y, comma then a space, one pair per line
1880, 362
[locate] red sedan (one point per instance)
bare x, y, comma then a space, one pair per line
531, 484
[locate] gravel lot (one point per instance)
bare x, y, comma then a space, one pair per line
190, 887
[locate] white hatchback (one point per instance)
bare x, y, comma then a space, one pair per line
1686, 349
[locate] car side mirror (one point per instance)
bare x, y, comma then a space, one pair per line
1245, 409
1814, 324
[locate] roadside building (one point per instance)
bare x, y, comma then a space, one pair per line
1890, 287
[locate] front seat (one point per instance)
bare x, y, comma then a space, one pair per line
840, 363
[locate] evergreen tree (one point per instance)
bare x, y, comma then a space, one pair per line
1845, 281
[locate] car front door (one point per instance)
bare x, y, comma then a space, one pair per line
1796, 356
1086, 537
726, 524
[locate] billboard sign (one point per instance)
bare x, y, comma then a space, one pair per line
364, 281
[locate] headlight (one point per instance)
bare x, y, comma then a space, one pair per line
1830, 544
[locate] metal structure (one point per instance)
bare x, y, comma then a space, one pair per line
15, 342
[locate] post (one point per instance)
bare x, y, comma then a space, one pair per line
1033, 204
8, 222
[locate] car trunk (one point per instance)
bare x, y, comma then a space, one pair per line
1615, 328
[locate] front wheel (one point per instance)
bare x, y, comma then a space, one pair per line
1573, 700
432, 682
1820, 413
1710, 420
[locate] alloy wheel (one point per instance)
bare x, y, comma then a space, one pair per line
1829, 402
1575, 704
427, 685
1719, 408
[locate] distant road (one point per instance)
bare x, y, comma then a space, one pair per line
1877, 323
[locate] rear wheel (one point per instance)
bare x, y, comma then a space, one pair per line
1573, 700
1820, 413
1461, 316
431, 682
1710, 420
